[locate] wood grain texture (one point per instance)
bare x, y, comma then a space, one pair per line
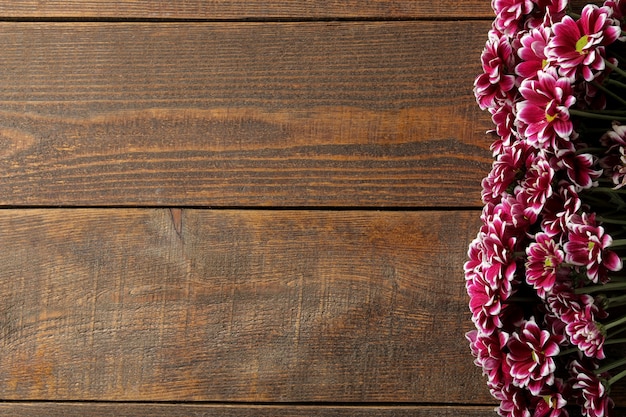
242, 114
246, 9
230, 410
261, 306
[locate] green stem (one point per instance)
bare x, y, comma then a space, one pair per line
616, 83
611, 221
618, 278
615, 333
610, 366
617, 377
615, 341
568, 351
609, 93
614, 323
607, 190
591, 115
611, 286
617, 301
592, 150
617, 243
615, 68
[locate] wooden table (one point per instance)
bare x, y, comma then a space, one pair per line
239, 208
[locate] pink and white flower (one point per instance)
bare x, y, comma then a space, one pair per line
489, 353
587, 246
510, 13
550, 402
579, 168
588, 336
559, 209
578, 45
543, 115
507, 166
531, 357
544, 259
532, 52
496, 80
536, 187
596, 402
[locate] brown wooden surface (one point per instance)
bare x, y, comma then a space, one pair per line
241, 114
235, 305
246, 9
228, 410
114, 301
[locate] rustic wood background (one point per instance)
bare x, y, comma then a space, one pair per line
239, 208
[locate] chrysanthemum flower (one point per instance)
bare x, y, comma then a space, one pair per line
545, 13
615, 165
614, 137
532, 52
531, 357
485, 304
509, 14
618, 12
536, 187
505, 132
596, 402
551, 7
587, 335
550, 402
507, 166
587, 246
489, 275
543, 115
496, 80
544, 259
578, 46
559, 208
514, 401
618, 8
489, 353
498, 254
520, 218
570, 307
578, 167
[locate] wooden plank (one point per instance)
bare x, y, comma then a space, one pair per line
328, 114
255, 306
246, 9
252, 9
230, 410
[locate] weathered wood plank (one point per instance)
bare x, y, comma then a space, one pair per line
247, 114
262, 306
246, 9
252, 9
229, 410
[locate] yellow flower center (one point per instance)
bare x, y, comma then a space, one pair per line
548, 263
550, 400
535, 356
550, 118
581, 43
590, 246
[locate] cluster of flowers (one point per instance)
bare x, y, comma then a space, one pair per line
544, 275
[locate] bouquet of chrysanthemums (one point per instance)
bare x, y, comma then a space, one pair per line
545, 273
